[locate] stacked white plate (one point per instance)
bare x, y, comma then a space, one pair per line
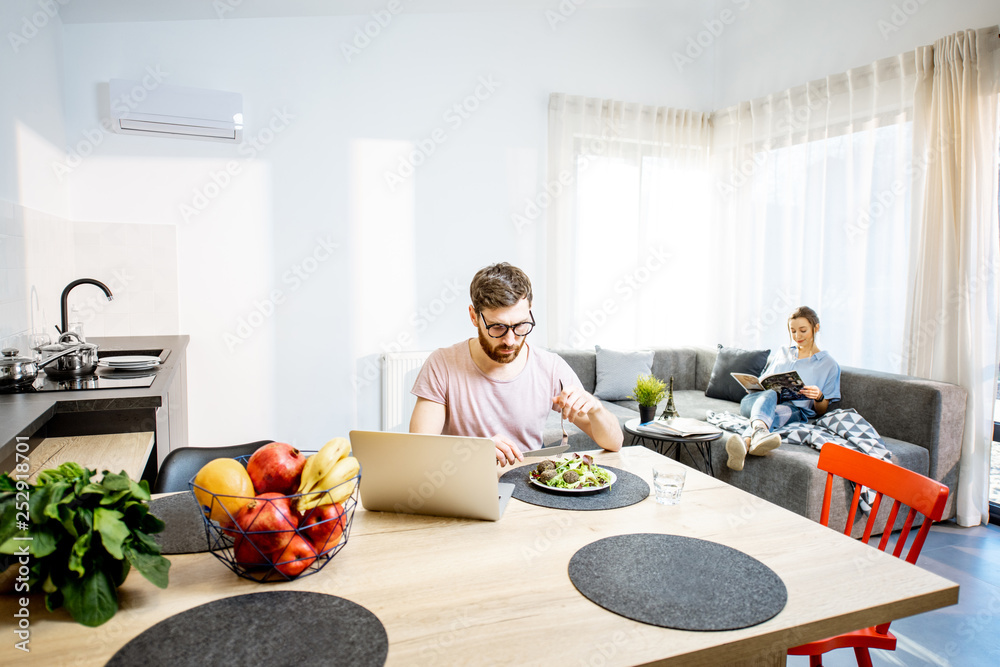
130, 362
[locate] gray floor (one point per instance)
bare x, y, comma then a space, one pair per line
966, 634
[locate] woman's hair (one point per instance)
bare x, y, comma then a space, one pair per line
499, 286
807, 313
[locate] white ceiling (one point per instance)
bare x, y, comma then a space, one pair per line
110, 11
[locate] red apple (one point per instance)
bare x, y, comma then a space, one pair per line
268, 522
296, 557
276, 468
246, 553
323, 526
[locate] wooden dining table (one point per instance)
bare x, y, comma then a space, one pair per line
457, 591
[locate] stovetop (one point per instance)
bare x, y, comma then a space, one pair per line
104, 378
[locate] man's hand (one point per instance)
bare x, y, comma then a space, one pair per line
584, 411
507, 451
574, 402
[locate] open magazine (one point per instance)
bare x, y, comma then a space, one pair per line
786, 384
678, 426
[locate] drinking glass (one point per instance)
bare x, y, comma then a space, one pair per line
36, 340
668, 482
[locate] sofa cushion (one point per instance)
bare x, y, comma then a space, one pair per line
617, 372
679, 364
584, 364
734, 360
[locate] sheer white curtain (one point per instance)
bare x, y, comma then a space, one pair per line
812, 186
629, 232
952, 332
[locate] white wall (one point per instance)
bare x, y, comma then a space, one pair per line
379, 268
771, 46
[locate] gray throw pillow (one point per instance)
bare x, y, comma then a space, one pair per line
618, 371
734, 360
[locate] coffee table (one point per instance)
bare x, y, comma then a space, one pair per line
662, 443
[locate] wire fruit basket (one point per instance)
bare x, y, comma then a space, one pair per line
288, 545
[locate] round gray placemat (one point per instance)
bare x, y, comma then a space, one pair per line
627, 490
184, 530
273, 628
677, 582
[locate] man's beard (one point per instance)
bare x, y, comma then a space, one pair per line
493, 353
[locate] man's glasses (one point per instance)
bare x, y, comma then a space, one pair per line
500, 330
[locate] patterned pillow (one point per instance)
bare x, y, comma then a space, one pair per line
618, 371
734, 360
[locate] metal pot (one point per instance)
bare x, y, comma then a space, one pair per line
70, 357
16, 372
19, 372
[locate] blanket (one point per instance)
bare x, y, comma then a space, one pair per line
842, 426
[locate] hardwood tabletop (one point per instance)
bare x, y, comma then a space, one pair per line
474, 592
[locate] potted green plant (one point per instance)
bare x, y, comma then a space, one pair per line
649, 391
76, 538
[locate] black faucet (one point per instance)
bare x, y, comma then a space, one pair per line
65, 298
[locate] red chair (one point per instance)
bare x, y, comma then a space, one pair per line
903, 487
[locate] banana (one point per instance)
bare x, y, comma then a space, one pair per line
319, 464
340, 482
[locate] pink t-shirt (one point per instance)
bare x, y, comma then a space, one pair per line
477, 405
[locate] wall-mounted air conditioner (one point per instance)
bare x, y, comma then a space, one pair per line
175, 111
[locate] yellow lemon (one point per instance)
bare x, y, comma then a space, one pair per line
222, 488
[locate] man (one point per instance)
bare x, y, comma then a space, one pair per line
496, 385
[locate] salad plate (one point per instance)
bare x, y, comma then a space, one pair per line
585, 489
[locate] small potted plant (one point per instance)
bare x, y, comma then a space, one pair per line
648, 392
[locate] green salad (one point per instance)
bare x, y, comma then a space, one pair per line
575, 472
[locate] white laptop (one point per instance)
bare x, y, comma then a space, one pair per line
439, 475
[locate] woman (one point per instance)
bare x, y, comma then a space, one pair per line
818, 371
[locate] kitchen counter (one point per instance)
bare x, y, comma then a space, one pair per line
22, 415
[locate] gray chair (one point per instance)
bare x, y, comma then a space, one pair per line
184, 463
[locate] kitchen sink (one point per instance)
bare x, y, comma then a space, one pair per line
161, 353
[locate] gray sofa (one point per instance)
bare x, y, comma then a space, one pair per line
921, 421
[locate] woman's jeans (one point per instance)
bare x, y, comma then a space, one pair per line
763, 405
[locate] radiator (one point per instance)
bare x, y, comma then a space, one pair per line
399, 372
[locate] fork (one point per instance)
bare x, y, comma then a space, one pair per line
562, 423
